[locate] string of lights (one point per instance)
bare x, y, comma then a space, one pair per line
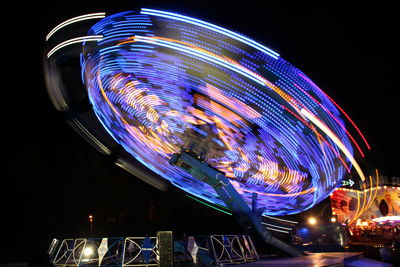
160, 82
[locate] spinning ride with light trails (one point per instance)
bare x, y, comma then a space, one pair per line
162, 84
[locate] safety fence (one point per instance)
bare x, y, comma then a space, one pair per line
229, 249
108, 251
210, 250
214, 250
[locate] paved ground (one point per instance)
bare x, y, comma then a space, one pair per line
345, 259
349, 259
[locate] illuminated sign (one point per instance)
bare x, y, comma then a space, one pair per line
347, 182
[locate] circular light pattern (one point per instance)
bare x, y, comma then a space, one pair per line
161, 82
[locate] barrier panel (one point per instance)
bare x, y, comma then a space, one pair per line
140, 251
214, 250
210, 250
69, 252
107, 251
232, 249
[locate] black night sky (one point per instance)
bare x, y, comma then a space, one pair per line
52, 179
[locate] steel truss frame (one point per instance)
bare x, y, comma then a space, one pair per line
113, 251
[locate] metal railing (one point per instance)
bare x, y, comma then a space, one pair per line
210, 250
233, 249
113, 251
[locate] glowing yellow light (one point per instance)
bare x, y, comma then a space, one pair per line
358, 208
308, 191
335, 139
333, 219
312, 221
88, 251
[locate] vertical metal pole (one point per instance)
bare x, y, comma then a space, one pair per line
165, 248
123, 253
213, 250
58, 251
52, 249
91, 225
81, 254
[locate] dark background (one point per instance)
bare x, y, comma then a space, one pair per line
52, 179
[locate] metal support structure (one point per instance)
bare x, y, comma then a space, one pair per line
232, 249
225, 190
111, 251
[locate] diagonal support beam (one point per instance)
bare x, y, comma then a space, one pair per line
233, 200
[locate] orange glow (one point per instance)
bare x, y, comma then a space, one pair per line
330, 114
368, 199
335, 139
231, 102
358, 207
275, 88
218, 109
127, 41
269, 173
365, 205
144, 135
320, 137
310, 190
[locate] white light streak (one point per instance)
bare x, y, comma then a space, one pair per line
212, 27
335, 139
279, 219
239, 69
387, 218
82, 130
277, 230
277, 226
74, 41
74, 20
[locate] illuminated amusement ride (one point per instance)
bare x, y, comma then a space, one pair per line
182, 101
